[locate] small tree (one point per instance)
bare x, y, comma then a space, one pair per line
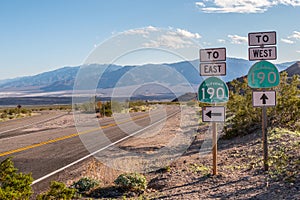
14, 185
57, 190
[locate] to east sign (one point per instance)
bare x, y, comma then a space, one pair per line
263, 98
263, 74
262, 53
213, 114
213, 90
213, 69
211, 55
262, 38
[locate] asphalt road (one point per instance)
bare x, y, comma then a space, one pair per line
44, 151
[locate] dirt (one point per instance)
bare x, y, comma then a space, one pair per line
189, 176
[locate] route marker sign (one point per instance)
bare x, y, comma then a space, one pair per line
263, 98
212, 55
213, 90
262, 38
262, 53
263, 74
213, 69
213, 114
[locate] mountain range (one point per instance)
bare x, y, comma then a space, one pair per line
61, 81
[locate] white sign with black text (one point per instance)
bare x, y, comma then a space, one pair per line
213, 69
262, 38
264, 98
263, 53
212, 55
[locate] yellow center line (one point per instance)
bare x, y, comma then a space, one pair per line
68, 136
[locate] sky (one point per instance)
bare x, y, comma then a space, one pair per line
38, 36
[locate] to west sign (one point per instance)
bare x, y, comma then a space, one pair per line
262, 53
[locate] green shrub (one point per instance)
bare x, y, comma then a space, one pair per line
57, 190
14, 185
85, 184
245, 118
132, 182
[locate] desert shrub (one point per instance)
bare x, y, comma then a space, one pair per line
14, 185
132, 182
3, 115
12, 111
85, 184
245, 118
57, 190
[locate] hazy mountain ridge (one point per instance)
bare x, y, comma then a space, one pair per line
64, 78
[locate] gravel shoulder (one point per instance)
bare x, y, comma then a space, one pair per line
189, 176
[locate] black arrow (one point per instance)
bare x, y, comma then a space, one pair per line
264, 98
211, 114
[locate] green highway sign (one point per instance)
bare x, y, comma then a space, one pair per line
213, 90
263, 74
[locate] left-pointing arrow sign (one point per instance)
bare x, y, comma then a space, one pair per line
213, 114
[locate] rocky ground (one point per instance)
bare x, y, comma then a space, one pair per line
240, 171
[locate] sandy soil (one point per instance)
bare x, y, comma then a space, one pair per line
189, 176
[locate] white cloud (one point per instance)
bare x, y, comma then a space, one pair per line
200, 4
289, 2
242, 6
298, 51
175, 39
187, 34
236, 39
287, 41
295, 35
143, 31
221, 41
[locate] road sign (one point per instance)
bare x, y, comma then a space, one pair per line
262, 53
211, 55
263, 98
213, 90
262, 38
213, 69
213, 114
263, 74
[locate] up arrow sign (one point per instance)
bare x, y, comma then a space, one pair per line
264, 98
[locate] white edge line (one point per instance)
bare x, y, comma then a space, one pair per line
95, 152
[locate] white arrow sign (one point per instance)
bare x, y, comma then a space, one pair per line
211, 55
213, 114
263, 98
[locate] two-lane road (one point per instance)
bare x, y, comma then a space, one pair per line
47, 150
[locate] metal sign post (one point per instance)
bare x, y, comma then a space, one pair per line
215, 148
265, 137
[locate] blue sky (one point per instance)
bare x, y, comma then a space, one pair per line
38, 36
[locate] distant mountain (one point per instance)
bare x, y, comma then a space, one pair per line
173, 74
294, 69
